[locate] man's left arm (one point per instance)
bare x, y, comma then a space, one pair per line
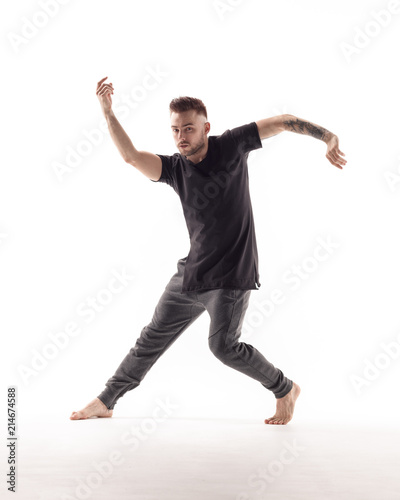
276, 124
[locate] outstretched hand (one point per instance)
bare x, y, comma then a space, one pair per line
333, 152
103, 92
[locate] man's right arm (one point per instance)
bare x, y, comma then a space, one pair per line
147, 163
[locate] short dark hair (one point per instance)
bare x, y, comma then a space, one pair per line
185, 103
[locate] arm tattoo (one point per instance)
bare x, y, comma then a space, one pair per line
307, 128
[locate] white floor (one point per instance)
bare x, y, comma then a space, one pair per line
139, 458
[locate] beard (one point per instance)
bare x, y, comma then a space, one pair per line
194, 149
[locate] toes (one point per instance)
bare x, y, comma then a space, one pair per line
276, 421
77, 415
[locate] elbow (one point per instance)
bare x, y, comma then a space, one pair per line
132, 157
130, 161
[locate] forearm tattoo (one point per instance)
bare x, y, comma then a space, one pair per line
307, 128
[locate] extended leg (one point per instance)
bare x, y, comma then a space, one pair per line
174, 313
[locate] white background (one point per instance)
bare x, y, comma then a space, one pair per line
61, 238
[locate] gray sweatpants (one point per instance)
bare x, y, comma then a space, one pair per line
174, 313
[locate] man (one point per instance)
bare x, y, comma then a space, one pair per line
210, 176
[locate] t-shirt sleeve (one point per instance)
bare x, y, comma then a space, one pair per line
246, 137
166, 170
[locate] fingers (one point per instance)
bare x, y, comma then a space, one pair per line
335, 164
101, 81
105, 88
336, 160
333, 160
101, 86
334, 156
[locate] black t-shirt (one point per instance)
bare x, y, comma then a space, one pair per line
216, 204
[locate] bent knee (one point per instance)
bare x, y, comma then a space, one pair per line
223, 352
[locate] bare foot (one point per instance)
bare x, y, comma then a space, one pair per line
95, 408
285, 407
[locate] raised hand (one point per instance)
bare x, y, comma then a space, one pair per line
104, 92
